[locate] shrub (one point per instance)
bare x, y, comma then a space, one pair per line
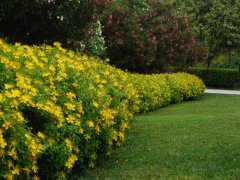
184, 87
222, 78
153, 91
59, 110
143, 36
42, 21
159, 90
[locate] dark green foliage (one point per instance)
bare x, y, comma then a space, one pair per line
139, 35
216, 77
215, 22
45, 21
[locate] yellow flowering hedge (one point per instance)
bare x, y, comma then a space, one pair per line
159, 90
153, 91
59, 110
184, 86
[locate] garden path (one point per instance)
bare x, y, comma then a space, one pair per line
222, 91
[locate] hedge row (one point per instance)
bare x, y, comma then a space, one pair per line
160, 90
217, 77
59, 110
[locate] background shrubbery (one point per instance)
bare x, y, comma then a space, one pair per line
59, 110
46, 21
147, 36
215, 77
139, 35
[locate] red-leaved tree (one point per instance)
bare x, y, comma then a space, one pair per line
149, 40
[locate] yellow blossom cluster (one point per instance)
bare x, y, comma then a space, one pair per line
59, 109
162, 89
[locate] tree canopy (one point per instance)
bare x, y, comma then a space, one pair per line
139, 35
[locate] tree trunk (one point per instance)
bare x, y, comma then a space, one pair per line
229, 57
209, 59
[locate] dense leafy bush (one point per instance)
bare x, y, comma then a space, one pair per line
46, 21
148, 36
222, 60
161, 89
216, 77
59, 110
153, 90
184, 87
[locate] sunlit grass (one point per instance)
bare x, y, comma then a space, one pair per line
194, 140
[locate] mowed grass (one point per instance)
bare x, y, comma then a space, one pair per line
191, 140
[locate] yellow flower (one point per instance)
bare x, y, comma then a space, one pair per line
75, 85
34, 147
10, 164
57, 44
29, 65
107, 60
36, 178
8, 86
103, 81
2, 152
27, 170
87, 136
26, 99
70, 106
71, 96
35, 168
9, 176
28, 136
70, 162
80, 130
95, 104
13, 93
77, 123
14, 103
90, 124
108, 115
1, 98
13, 153
7, 124
1, 114
69, 144
121, 136
15, 171
80, 109
18, 116
41, 135
3, 143
70, 119
97, 129
106, 73
52, 68
124, 126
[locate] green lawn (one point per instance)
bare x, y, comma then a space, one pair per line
191, 140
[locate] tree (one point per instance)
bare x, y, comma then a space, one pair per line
215, 22
46, 21
145, 35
